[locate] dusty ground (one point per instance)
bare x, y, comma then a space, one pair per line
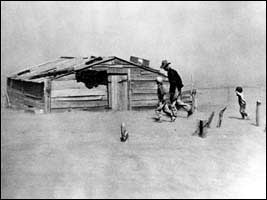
79, 155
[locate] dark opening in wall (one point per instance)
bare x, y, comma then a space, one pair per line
92, 78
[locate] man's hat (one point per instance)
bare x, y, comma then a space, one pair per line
164, 63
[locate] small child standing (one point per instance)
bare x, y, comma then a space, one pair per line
241, 101
162, 104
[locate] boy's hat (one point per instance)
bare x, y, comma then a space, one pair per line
239, 89
159, 79
164, 64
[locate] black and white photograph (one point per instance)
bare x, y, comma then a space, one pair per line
133, 99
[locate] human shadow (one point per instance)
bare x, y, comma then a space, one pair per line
155, 119
162, 119
165, 117
233, 117
240, 118
254, 124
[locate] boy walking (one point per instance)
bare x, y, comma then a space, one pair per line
242, 102
162, 104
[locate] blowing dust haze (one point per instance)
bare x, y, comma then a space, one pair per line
213, 43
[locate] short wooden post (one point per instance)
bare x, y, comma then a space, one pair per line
202, 129
220, 117
124, 133
202, 126
123, 129
258, 103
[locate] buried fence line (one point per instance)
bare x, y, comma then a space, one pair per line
225, 95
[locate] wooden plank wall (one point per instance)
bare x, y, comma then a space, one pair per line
23, 94
144, 89
67, 93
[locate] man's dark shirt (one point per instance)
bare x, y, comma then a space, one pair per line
174, 79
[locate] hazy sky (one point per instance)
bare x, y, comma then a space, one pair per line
219, 43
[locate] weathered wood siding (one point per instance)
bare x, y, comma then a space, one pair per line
67, 93
25, 94
144, 88
54, 85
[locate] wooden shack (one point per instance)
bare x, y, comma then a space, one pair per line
85, 83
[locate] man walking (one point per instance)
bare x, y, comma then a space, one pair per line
175, 82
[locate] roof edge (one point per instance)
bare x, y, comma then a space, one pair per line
141, 66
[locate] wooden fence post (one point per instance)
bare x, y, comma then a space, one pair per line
124, 133
203, 125
202, 129
220, 117
258, 103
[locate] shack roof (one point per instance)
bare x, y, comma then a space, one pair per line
64, 66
